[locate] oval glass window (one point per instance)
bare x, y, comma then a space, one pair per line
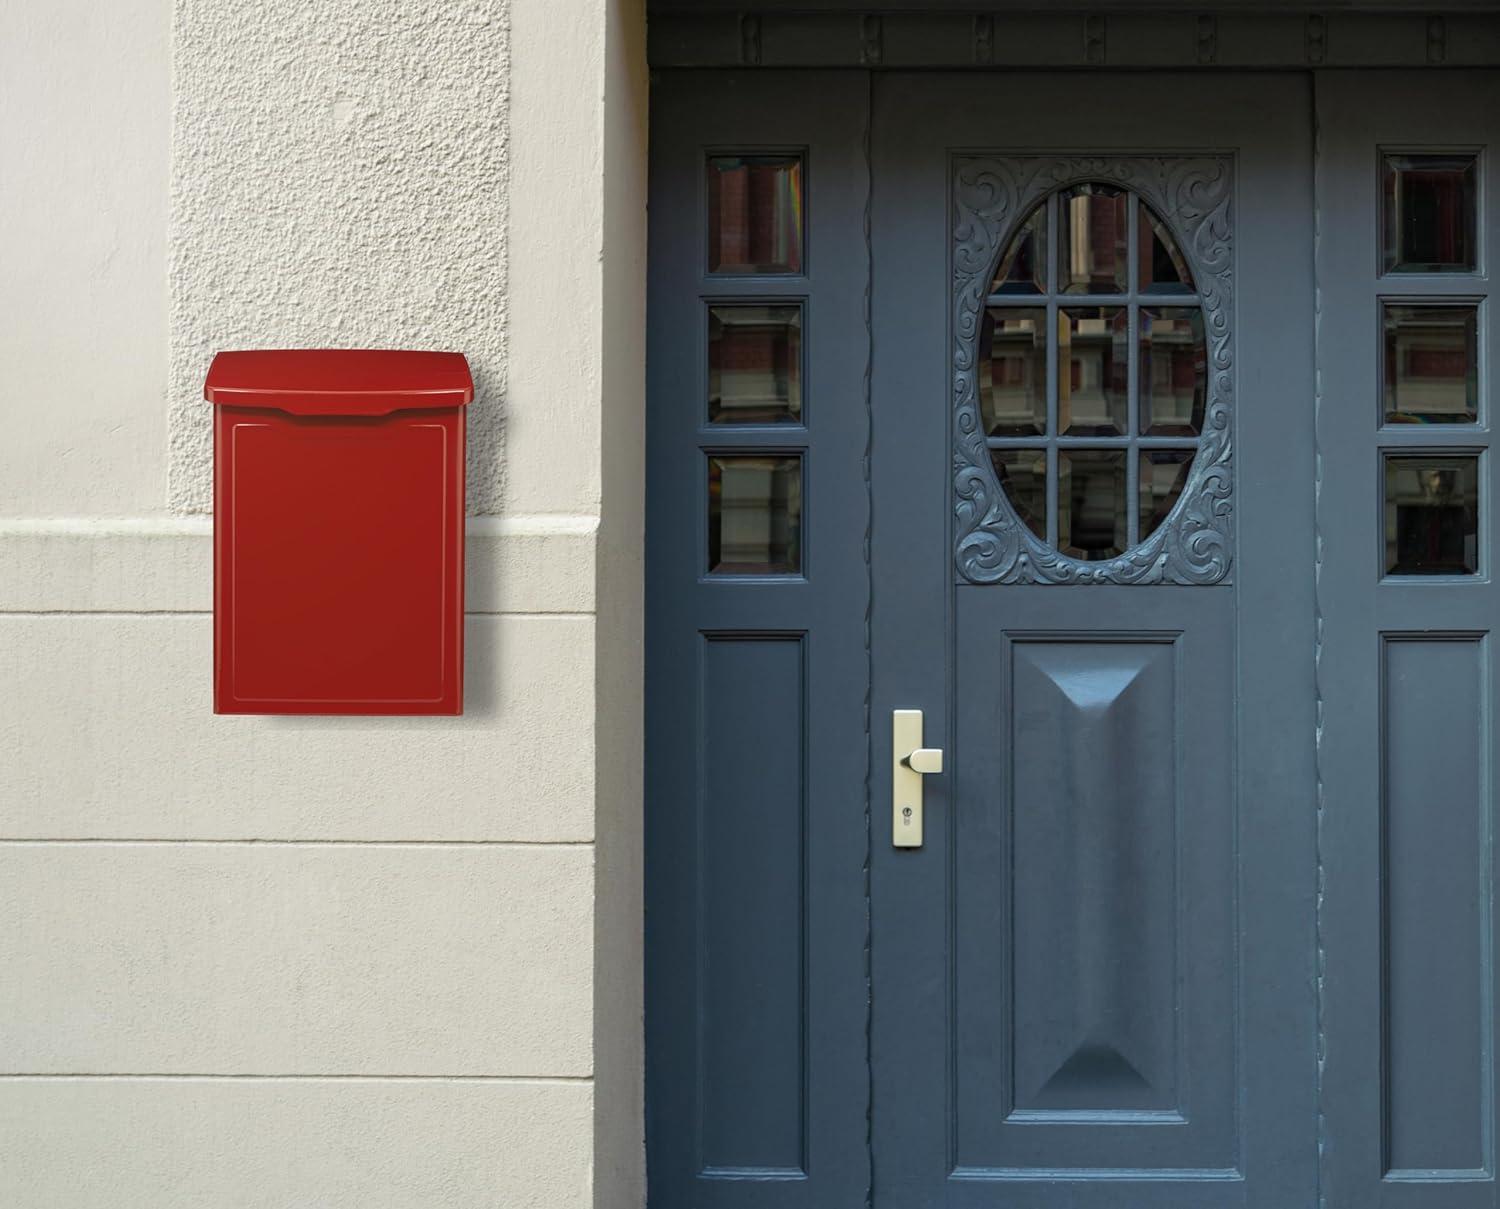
1092, 371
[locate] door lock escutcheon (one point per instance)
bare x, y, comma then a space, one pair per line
910, 762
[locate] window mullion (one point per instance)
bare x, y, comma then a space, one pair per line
1132, 372
1054, 368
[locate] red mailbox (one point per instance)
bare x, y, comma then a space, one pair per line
338, 531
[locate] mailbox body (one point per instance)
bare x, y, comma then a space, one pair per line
338, 531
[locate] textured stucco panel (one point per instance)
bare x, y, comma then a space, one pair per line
339, 178
84, 102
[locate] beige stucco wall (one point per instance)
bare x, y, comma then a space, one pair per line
318, 961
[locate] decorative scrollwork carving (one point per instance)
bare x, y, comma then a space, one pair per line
1193, 196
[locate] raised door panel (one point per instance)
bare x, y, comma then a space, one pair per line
752, 907
1094, 898
1094, 869
1438, 1014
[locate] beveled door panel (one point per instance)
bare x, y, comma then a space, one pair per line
1093, 902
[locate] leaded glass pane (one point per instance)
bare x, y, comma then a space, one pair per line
1091, 517
1431, 372
1091, 240
1093, 362
1023, 267
1076, 394
754, 364
755, 213
1431, 514
1173, 371
1013, 371
1023, 475
1163, 268
754, 514
1429, 213
1163, 473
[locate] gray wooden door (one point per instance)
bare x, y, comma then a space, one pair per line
1140, 440
1094, 984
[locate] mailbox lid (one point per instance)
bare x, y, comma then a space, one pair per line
339, 381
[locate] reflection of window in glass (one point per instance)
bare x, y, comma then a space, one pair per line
1092, 390
1163, 269
1060, 394
1023, 476
1431, 514
754, 514
1023, 268
1093, 256
1174, 378
1091, 503
1013, 371
754, 364
755, 214
1431, 364
1163, 475
1429, 213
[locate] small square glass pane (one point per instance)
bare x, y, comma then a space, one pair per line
1023, 477
1174, 372
1091, 516
754, 364
1431, 514
1163, 268
1431, 364
1093, 362
1091, 240
755, 214
754, 514
1429, 213
1023, 268
1013, 371
1163, 474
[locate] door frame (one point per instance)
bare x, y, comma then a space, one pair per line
710, 36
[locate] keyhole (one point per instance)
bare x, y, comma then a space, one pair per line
906, 815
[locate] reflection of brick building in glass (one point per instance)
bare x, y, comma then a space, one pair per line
754, 214
1429, 212
1431, 363
754, 364
1093, 245
1431, 514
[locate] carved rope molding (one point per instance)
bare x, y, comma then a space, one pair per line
1193, 195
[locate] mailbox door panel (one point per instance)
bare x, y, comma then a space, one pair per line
339, 563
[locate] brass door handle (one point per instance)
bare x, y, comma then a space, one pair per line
910, 762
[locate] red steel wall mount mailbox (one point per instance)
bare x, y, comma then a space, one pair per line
338, 531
